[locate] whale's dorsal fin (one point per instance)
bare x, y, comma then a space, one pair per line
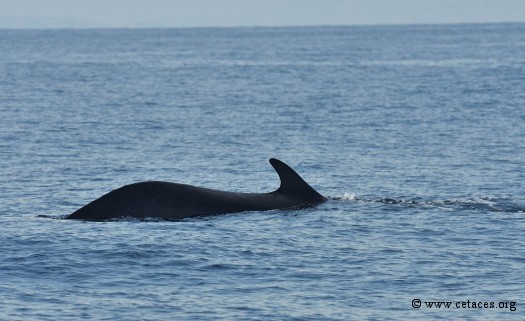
292, 183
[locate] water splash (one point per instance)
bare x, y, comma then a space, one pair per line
343, 197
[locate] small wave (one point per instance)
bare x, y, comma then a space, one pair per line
54, 217
481, 204
128, 219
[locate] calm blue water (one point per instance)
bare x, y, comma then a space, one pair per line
415, 133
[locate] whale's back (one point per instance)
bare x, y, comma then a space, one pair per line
173, 201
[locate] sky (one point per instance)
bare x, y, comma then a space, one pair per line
226, 13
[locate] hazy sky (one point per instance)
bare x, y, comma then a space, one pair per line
190, 13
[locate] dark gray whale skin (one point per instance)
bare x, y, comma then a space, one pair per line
172, 201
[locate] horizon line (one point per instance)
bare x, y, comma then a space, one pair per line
260, 26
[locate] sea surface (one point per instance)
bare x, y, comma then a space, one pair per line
415, 133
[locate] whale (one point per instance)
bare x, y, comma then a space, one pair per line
174, 201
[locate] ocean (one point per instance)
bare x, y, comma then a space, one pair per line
415, 133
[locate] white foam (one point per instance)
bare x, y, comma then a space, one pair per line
344, 197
